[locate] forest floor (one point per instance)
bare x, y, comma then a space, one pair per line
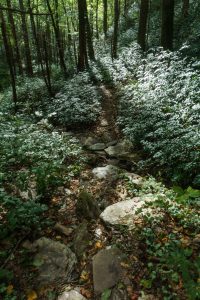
109, 260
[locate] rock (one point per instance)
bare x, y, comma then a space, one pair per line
104, 123
147, 297
118, 294
111, 143
124, 212
109, 171
107, 270
86, 206
55, 262
89, 142
71, 295
121, 149
63, 229
82, 239
97, 147
135, 179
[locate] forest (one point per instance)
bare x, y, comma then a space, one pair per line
99, 149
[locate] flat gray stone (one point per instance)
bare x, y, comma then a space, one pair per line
107, 270
121, 149
108, 171
55, 262
97, 147
124, 212
71, 295
63, 229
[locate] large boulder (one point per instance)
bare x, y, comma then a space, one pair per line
107, 270
124, 212
55, 262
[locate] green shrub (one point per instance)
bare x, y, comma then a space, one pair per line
77, 103
32, 153
160, 113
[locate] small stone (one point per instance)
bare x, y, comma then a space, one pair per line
107, 270
63, 229
97, 147
71, 295
89, 142
135, 179
109, 171
104, 123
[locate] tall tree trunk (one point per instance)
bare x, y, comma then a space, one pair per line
14, 34
144, 11
38, 49
167, 28
82, 57
116, 28
58, 38
105, 17
97, 19
29, 66
88, 34
9, 58
185, 8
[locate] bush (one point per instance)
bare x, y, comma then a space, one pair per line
160, 113
35, 153
77, 103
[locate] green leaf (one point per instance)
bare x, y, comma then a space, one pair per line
106, 295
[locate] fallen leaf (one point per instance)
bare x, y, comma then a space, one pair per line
9, 289
98, 245
32, 295
86, 293
84, 276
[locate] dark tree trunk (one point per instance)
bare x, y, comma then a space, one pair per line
58, 38
105, 17
116, 28
82, 57
38, 49
9, 58
185, 8
14, 34
29, 66
142, 32
89, 34
97, 19
167, 28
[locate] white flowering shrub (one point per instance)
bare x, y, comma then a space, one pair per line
161, 114
121, 69
77, 103
30, 151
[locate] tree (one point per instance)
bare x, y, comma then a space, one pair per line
29, 67
116, 28
167, 27
9, 57
185, 8
105, 17
144, 11
82, 56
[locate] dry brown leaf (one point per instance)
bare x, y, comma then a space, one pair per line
32, 295
9, 289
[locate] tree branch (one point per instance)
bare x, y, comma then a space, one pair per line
18, 11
